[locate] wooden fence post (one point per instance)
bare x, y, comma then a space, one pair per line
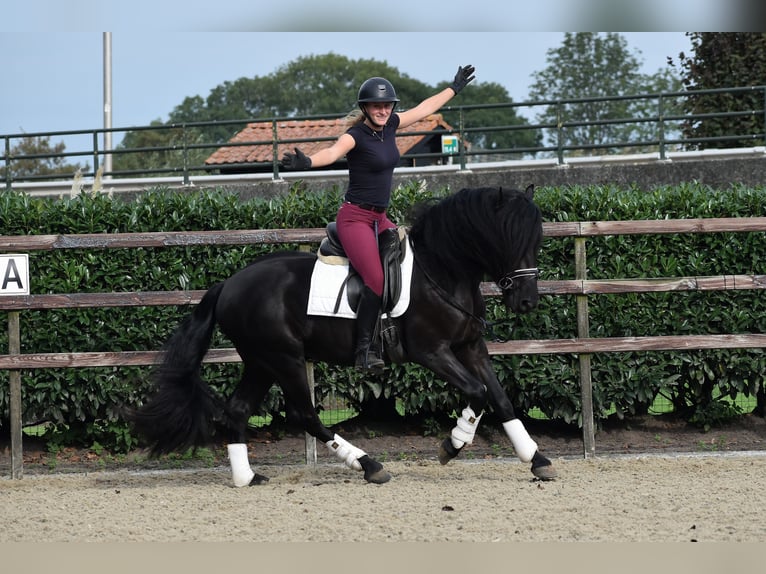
14, 348
311, 442
583, 332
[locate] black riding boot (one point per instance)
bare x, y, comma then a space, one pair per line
366, 322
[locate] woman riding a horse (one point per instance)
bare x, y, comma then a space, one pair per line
370, 148
455, 243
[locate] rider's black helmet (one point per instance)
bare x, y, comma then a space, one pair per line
376, 90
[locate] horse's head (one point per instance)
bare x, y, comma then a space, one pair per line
519, 284
484, 232
519, 289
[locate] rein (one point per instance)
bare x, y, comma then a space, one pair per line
505, 282
446, 296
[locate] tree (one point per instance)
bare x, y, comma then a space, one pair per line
307, 86
512, 142
33, 157
165, 148
724, 60
594, 65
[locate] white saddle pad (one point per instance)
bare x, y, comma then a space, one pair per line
326, 281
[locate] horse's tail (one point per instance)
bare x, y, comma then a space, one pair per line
181, 413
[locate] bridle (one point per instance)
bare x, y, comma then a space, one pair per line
507, 281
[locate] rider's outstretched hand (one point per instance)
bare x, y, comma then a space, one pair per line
297, 161
462, 78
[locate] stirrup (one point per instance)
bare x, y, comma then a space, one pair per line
369, 361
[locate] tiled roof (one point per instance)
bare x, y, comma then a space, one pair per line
304, 129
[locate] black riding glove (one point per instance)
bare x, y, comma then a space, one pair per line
463, 76
296, 161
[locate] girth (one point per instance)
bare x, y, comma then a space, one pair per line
392, 246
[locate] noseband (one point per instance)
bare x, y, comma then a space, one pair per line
507, 281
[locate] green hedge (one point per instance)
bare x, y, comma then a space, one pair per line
85, 402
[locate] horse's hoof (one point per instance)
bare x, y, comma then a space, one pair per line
546, 472
380, 477
447, 451
542, 467
373, 470
258, 479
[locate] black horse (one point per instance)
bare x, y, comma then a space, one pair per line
457, 242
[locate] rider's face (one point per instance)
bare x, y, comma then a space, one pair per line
379, 112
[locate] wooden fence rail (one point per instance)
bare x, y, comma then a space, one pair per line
580, 287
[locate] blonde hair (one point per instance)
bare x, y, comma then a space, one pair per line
354, 117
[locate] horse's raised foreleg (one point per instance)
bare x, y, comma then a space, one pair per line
356, 459
477, 362
524, 446
463, 434
445, 364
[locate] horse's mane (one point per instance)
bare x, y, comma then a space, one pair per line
476, 231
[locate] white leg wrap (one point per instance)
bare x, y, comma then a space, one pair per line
465, 430
523, 444
240, 465
346, 452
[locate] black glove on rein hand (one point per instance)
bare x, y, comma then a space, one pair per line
462, 78
296, 161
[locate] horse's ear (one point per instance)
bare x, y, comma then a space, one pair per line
530, 191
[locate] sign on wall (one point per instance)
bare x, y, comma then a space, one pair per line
449, 144
14, 274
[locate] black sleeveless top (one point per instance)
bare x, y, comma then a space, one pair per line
371, 163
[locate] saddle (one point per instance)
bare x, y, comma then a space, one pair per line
392, 246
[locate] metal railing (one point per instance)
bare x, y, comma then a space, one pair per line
659, 132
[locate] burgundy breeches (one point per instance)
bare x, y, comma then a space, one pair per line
356, 231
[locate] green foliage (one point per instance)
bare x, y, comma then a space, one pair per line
39, 158
724, 60
504, 143
165, 149
84, 405
307, 86
627, 383
594, 65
